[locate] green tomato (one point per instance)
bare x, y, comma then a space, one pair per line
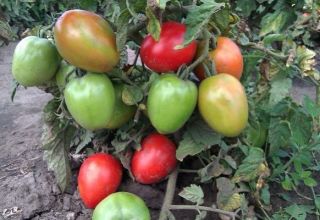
121, 206
35, 61
122, 112
90, 100
223, 104
65, 73
171, 102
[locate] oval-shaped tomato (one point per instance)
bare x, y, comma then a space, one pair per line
65, 73
122, 113
171, 102
35, 61
223, 104
121, 206
99, 176
227, 58
90, 100
163, 56
155, 160
86, 40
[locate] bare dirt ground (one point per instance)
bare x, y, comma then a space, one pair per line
27, 189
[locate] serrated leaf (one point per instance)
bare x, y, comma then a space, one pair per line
277, 21
222, 18
279, 134
267, 40
213, 169
85, 139
246, 7
188, 147
199, 17
287, 183
280, 88
311, 106
153, 27
131, 95
224, 184
121, 35
298, 212
305, 59
301, 127
193, 193
251, 167
56, 138
265, 195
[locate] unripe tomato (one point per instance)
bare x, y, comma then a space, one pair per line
227, 58
35, 61
121, 206
162, 56
122, 113
86, 41
171, 102
99, 176
90, 100
223, 104
155, 160
65, 72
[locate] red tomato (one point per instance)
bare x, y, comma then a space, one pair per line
99, 176
155, 160
161, 56
227, 58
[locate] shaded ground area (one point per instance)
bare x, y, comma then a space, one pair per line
27, 189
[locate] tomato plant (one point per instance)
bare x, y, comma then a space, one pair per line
65, 73
171, 102
35, 61
223, 104
121, 205
99, 176
226, 57
163, 55
91, 100
155, 160
93, 49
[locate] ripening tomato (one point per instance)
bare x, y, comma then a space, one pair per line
223, 104
65, 73
155, 160
163, 56
227, 58
86, 41
99, 176
35, 61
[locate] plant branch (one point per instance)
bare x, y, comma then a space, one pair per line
203, 55
204, 208
168, 198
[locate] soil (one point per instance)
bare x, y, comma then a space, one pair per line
29, 191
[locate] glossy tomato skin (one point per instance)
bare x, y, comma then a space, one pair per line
223, 104
65, 73
155, 160
90, 100
171, 102
99, 176
121, 206
122, 113
86, 41
35, 61
227, 58
162, 56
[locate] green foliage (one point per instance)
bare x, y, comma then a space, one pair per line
193, 193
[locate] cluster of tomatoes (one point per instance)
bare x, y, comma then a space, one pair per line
85, 40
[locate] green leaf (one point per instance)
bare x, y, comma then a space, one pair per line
162, 3
131, 95
301, 127
90, 5
198, 18
287, 183
311, 106
193, 193
277, 21
153, 27
246, 7
265, 195
197, 138
310, 182
14, 87
213, 169
222, 18
201, 216
317, 202
56, 138
267, 40
305, 59
298, 212
85, 139
279, 134
251, 167
280, 88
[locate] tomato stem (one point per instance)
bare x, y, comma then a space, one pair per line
168, 198
204, 208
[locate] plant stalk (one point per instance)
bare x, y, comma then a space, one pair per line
168, 198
